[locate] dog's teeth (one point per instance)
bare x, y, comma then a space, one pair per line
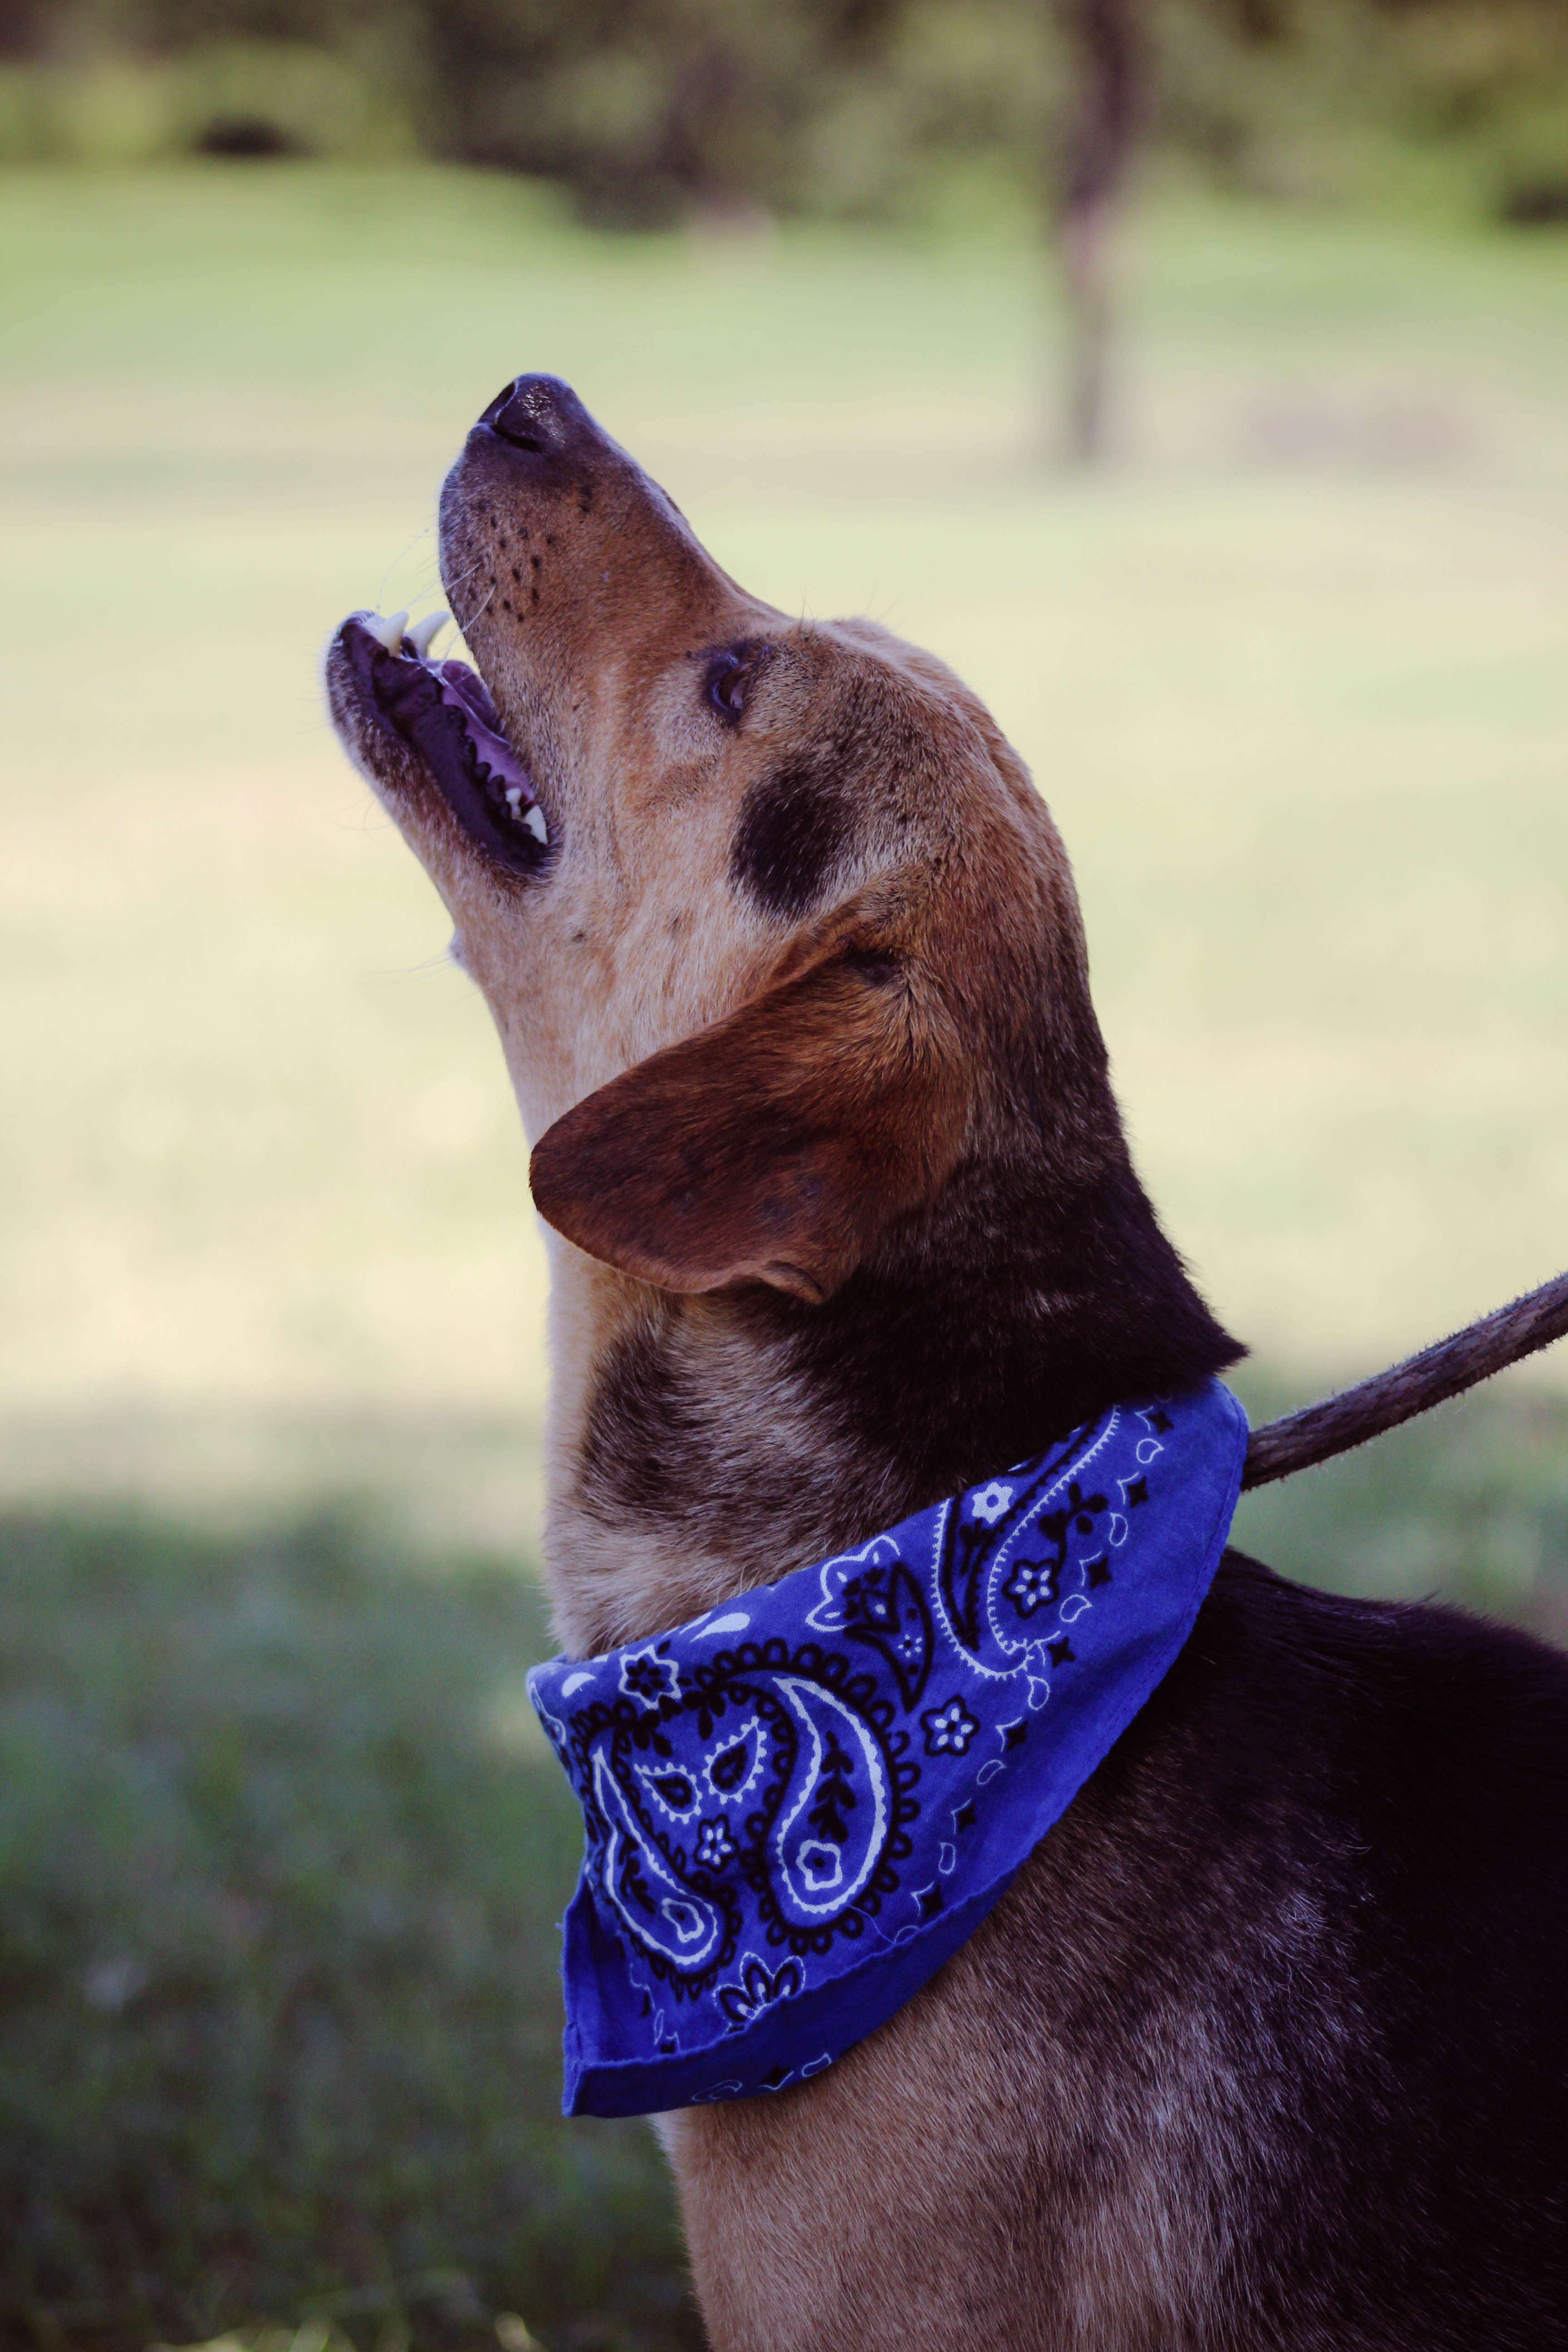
389, 632
421, 634
532, 817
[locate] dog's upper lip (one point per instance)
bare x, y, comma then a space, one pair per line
443, 710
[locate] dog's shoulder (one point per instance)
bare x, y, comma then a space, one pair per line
1414, 1754
1449, 1706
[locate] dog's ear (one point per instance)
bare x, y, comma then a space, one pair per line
773, 1147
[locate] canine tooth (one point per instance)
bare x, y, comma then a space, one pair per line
389, 632
421, 634
532, 816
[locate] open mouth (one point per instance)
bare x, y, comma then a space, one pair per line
443, 711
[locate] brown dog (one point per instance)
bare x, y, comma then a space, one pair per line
1263, 2046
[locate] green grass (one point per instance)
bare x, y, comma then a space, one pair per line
277, 1865
283, 1850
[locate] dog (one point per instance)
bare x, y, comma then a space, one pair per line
1266, 2043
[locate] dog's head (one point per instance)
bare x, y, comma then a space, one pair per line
782, 944
754, 900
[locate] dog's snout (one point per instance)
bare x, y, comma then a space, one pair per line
538, 414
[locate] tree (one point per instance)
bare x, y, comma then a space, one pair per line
1105, 40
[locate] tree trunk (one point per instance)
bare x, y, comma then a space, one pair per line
1106, 36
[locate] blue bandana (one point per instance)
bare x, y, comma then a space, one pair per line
800, 1805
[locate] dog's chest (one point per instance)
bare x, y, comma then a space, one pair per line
960, 2178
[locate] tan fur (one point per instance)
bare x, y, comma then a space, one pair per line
878, 2210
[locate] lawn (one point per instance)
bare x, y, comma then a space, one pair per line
279, 1862
283, 1851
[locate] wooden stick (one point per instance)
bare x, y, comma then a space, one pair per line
1438, 1372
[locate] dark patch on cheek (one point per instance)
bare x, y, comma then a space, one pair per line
795, 826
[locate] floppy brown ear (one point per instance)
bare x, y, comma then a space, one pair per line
773, 1147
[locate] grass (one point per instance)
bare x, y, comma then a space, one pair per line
279, 1865
284, 1851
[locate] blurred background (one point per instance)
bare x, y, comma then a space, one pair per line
1193, 374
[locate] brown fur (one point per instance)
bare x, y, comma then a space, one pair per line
842, 1218
776, 1145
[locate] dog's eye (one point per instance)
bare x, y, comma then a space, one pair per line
728, 681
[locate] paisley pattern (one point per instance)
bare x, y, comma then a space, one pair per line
797, 1805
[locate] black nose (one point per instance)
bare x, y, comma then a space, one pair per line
537, 413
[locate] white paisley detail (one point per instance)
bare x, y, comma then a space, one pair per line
800, 1868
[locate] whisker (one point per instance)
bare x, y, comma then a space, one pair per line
467, 574
395, 560
426, 969
465, 626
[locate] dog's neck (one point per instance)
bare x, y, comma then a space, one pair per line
700, 1445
